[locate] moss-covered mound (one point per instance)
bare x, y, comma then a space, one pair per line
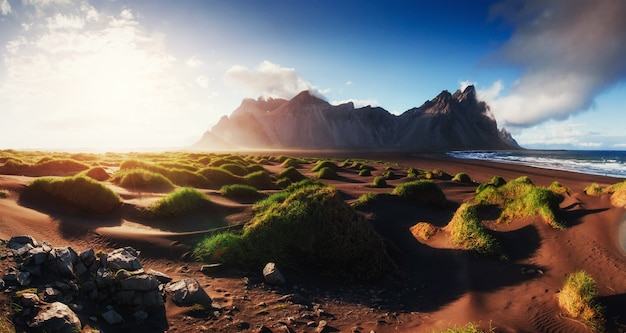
310, 228
73, 194
325, 164
379, 181
97, 173
219, 177
578, 299
593, 190
421, 191
466, 230
327, 173
520, 198
618, 198
292, 173
259, 179
143, 180
240, 192
462, 178
181, 202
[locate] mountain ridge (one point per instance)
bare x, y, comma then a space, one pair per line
456, 121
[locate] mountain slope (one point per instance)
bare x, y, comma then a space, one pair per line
449, 121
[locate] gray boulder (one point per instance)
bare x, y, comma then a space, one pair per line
123, 258
56, 317
272, 275
187, 292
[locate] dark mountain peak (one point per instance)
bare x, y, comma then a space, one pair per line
469, 94
306, 98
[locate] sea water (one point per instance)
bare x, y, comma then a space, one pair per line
596, 162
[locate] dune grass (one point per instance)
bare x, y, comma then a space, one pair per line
292, 173
77, 193
468, 328
421, 191
235, 169
4, 194
304, 227
218, 177
437, 174
593, 190
259, 179
365, 173
578, 299
241, 192
325, 164
462, 178
379, 181
291, 162
618, 198
142, 180
557, 188
327, 173
98, 173
423, 230
467, 231
496, 181
180, 202
365, 200
520, 198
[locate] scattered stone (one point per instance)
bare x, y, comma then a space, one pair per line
17, 242
140, 315
272, 275
112, 317
161, 277
51, 294
2, 284
263, 329
295, 298
123, 258
211, 268
56, 317
187, 292
23, 279
28, 300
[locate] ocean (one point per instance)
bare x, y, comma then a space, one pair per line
596, 162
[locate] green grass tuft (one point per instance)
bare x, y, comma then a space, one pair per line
181, 202
593, 190
259, 179
365, 200
421, 191
379, 181
235, 169
78, 193
97, 173
325, 164
578, 299
365, 173
143, 180
462, 178
466, 230
424, 230
4, 194
327, 173
292, 173
219, 177
224, 247
618, 198
240, 191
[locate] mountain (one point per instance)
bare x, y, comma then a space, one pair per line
456, 121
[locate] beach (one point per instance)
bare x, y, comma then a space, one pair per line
438, 286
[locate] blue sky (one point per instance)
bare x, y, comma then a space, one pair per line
135, 74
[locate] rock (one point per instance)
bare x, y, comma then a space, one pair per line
296, 299
19, 241
112, 317
88, 257
161, 277
2, 284
140, 315
28, 300
187, 292
272, 275
60, 261
38, 255
123, 258
51, 294
263, 329
211, 268
23, 279
142, 282
56, 317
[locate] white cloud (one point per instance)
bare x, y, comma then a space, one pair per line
203, 81
194, 62
589, 144
70, 22
568, 51
558, 134
271, 80
619, 145
349, 83
5, 7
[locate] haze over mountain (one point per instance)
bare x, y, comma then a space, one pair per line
456, 121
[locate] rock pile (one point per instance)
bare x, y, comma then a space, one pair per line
51, 284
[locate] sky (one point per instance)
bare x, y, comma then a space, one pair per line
130, 74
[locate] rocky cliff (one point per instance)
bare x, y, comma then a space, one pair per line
447, 122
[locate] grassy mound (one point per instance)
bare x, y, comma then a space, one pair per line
327, 173
618, 198
437, 174
577, 299
593, 190
240, 192
59, 167
97, 173
557, 188
423, 230
466, 230
4, 194
219, 177
259, 179
421, 191
291, 162
325, 164
181, 202
496, 181
235, 169
292, 173
365, 200
462, 178
224, 247
184, 177
379, 181
78, 193
519, 198
311, 228
143, 180
365, 173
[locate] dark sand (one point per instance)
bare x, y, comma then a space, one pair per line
440, 286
